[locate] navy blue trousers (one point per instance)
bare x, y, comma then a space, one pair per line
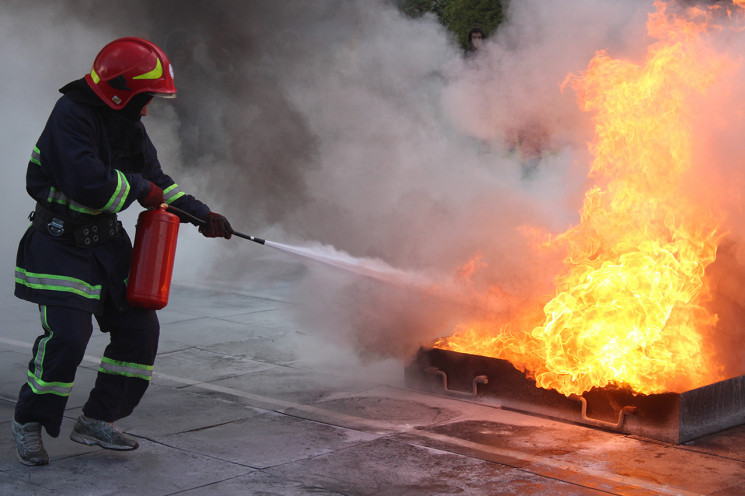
123, 375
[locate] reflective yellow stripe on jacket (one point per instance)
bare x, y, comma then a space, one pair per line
51, 282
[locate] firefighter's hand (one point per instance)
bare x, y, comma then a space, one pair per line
217, 226
153, 198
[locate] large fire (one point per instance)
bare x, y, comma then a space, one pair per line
630, 305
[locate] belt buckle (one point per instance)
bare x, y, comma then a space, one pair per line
56, 227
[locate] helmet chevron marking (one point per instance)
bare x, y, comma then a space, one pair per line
154, 74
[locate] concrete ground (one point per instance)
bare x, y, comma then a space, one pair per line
232, 410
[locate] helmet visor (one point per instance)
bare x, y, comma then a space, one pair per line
164, 95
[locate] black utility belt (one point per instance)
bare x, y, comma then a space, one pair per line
85, 235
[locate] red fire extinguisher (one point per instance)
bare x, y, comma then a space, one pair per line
152, 259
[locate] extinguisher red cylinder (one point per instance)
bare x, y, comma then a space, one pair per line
152, 259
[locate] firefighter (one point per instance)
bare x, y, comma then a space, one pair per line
93, 160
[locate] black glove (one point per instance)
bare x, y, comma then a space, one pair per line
153, 198
217, 226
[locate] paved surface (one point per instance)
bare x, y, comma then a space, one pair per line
235, 409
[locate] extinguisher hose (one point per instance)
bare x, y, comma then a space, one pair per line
197, 220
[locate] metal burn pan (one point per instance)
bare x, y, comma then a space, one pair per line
669, 417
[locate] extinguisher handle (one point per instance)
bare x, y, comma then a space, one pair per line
197, 220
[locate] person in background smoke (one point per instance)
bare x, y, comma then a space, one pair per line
475, 39
93, 160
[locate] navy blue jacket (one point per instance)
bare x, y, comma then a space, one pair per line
89, 160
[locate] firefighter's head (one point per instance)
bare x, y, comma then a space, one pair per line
128, 67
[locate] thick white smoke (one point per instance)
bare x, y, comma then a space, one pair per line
349, 124
431, 160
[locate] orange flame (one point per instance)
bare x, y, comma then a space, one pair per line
629, 308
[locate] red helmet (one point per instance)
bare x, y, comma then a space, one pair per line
127, 67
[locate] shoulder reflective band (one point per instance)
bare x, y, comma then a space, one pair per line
172, 193
136, 370
50, 282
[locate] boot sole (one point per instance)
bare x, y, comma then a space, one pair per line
30, 463
92, 441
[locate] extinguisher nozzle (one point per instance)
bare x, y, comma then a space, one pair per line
202, 222
249, 237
